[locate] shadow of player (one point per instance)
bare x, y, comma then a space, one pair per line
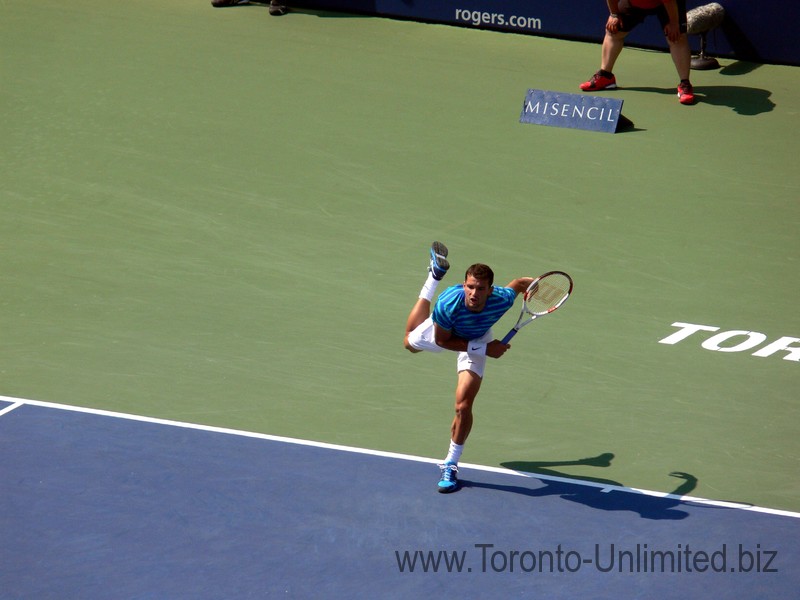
600, 495
742, 100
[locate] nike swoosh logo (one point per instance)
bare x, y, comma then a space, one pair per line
478, 348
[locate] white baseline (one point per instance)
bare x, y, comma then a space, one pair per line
18, 402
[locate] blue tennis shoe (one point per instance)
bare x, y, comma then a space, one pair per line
449, 481
439, 264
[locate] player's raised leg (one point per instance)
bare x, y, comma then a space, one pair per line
437, 268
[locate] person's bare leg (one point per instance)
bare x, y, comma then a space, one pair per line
681, 54
422, 307
613, 43
417, 316
467, 388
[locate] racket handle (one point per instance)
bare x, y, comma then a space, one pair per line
510, 335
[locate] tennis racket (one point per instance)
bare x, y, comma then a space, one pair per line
545, 294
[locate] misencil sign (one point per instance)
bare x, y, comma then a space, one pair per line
576, 111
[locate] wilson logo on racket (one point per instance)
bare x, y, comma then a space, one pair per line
544, 295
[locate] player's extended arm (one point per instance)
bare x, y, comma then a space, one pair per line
521, 284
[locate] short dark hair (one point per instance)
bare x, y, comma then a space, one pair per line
480, 271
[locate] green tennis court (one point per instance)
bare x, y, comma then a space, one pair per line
218, 217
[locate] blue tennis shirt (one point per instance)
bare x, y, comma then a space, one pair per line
451, 312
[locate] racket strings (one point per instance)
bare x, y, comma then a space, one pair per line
548, 294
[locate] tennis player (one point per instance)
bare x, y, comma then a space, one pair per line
461, 321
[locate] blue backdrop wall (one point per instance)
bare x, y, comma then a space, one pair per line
762, 31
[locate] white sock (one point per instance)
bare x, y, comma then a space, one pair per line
429, 289
454, 453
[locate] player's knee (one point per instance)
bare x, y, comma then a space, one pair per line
407, 345
463, 406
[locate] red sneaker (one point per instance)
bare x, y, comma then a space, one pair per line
599, 82
685, 93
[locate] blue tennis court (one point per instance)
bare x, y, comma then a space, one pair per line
213, 225
105, 505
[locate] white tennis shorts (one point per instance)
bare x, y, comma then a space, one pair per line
422, 338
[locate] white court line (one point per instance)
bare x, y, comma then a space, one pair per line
17, 402
10, 408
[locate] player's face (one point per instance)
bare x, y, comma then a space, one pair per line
476, 292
